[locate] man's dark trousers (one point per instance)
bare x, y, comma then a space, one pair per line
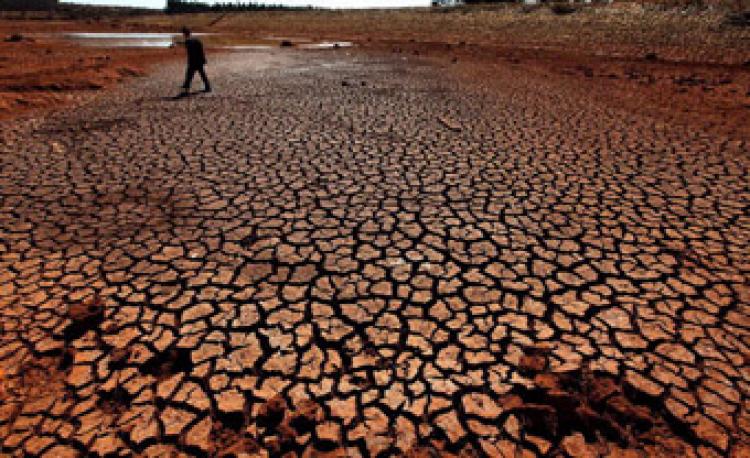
190, 73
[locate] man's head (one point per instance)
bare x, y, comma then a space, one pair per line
186, 32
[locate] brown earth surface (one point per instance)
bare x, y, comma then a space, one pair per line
678, 65
432, 244
692, 68
42, 72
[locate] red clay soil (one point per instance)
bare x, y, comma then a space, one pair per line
708, 96
577, 413
38, 73
688, 69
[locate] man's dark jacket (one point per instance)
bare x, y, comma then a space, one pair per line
196, 56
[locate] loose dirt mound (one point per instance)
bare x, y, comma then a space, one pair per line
577, 408
84, 316
49, 72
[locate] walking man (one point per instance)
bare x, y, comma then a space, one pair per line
196, 60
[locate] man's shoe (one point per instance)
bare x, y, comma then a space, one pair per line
207, 90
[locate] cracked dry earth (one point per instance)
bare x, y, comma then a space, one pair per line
339, 255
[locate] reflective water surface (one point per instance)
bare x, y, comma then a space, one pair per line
166, 40
123, 39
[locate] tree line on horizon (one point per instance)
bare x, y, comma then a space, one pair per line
197, 6
28, 5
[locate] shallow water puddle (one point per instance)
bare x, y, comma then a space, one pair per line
166, 40
248, 47
327, 45
122, 40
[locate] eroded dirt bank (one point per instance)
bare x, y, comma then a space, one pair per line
41, 71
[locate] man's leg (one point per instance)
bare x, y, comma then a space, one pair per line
189, 73
204, 77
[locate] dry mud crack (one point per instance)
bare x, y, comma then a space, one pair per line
294, 265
